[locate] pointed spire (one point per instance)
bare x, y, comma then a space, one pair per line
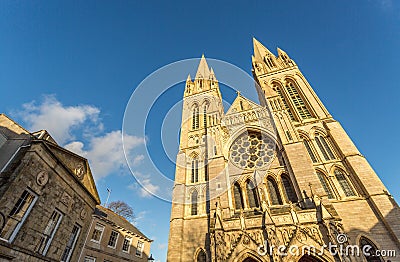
260, 51
189, 79
280, 51
212, 74
203, 71
285, 58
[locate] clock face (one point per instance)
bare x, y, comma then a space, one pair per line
252, 150
79, 170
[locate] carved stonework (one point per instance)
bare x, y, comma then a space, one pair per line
79, 170
42, 178
66, 199
83, 214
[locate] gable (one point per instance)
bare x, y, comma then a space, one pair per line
78, 166
242, 104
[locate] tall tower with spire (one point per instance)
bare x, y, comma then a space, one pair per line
263, 180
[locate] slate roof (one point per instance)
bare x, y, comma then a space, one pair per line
118, 221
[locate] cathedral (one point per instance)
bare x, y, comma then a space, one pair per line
278, 180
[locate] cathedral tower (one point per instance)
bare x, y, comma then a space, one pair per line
255, 181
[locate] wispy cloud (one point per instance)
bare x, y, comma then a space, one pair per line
138, 159
60, 120
105, 152
146, 189
140, 217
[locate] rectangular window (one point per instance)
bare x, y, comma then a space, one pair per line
71, 243
97, 233
89, 259
139, 248
127, 244
18, 214
113, 239
49, 232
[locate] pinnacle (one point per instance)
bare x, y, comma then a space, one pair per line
259, 50
203, 71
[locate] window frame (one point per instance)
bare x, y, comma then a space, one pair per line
310, 150
194, 207
289, 186
238, 193
252, 195
326, 185
25, 215
71, 249
347, 182
140, 250
129, 244
272, 182
101, 234
89, 259
54, 230
116, 239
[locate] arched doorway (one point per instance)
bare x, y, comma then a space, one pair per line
249, 259
307, 258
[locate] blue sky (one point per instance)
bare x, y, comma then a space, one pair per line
71, 67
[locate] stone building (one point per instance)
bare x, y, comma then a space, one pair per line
47, 196
279, 181
112, 238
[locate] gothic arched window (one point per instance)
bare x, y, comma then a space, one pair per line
195, 117
324, 147
370, 249
252, 195
309, 150
201, 256
325, 184
344, 182
194, 203
273, 190
277, 88
297, 100
195, 171
289, 189
205, 116
237, 192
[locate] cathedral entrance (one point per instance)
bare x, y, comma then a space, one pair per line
249, 259
307, 258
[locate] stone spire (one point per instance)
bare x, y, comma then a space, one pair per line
203, 71
260, 51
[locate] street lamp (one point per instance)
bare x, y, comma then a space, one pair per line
151, 259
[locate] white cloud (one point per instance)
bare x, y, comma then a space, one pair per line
145, 188
105, 151
148, 188
60, 120
140, 216
138, 159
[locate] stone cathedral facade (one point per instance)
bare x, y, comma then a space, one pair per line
275, 181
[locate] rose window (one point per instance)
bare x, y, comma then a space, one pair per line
252, 150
